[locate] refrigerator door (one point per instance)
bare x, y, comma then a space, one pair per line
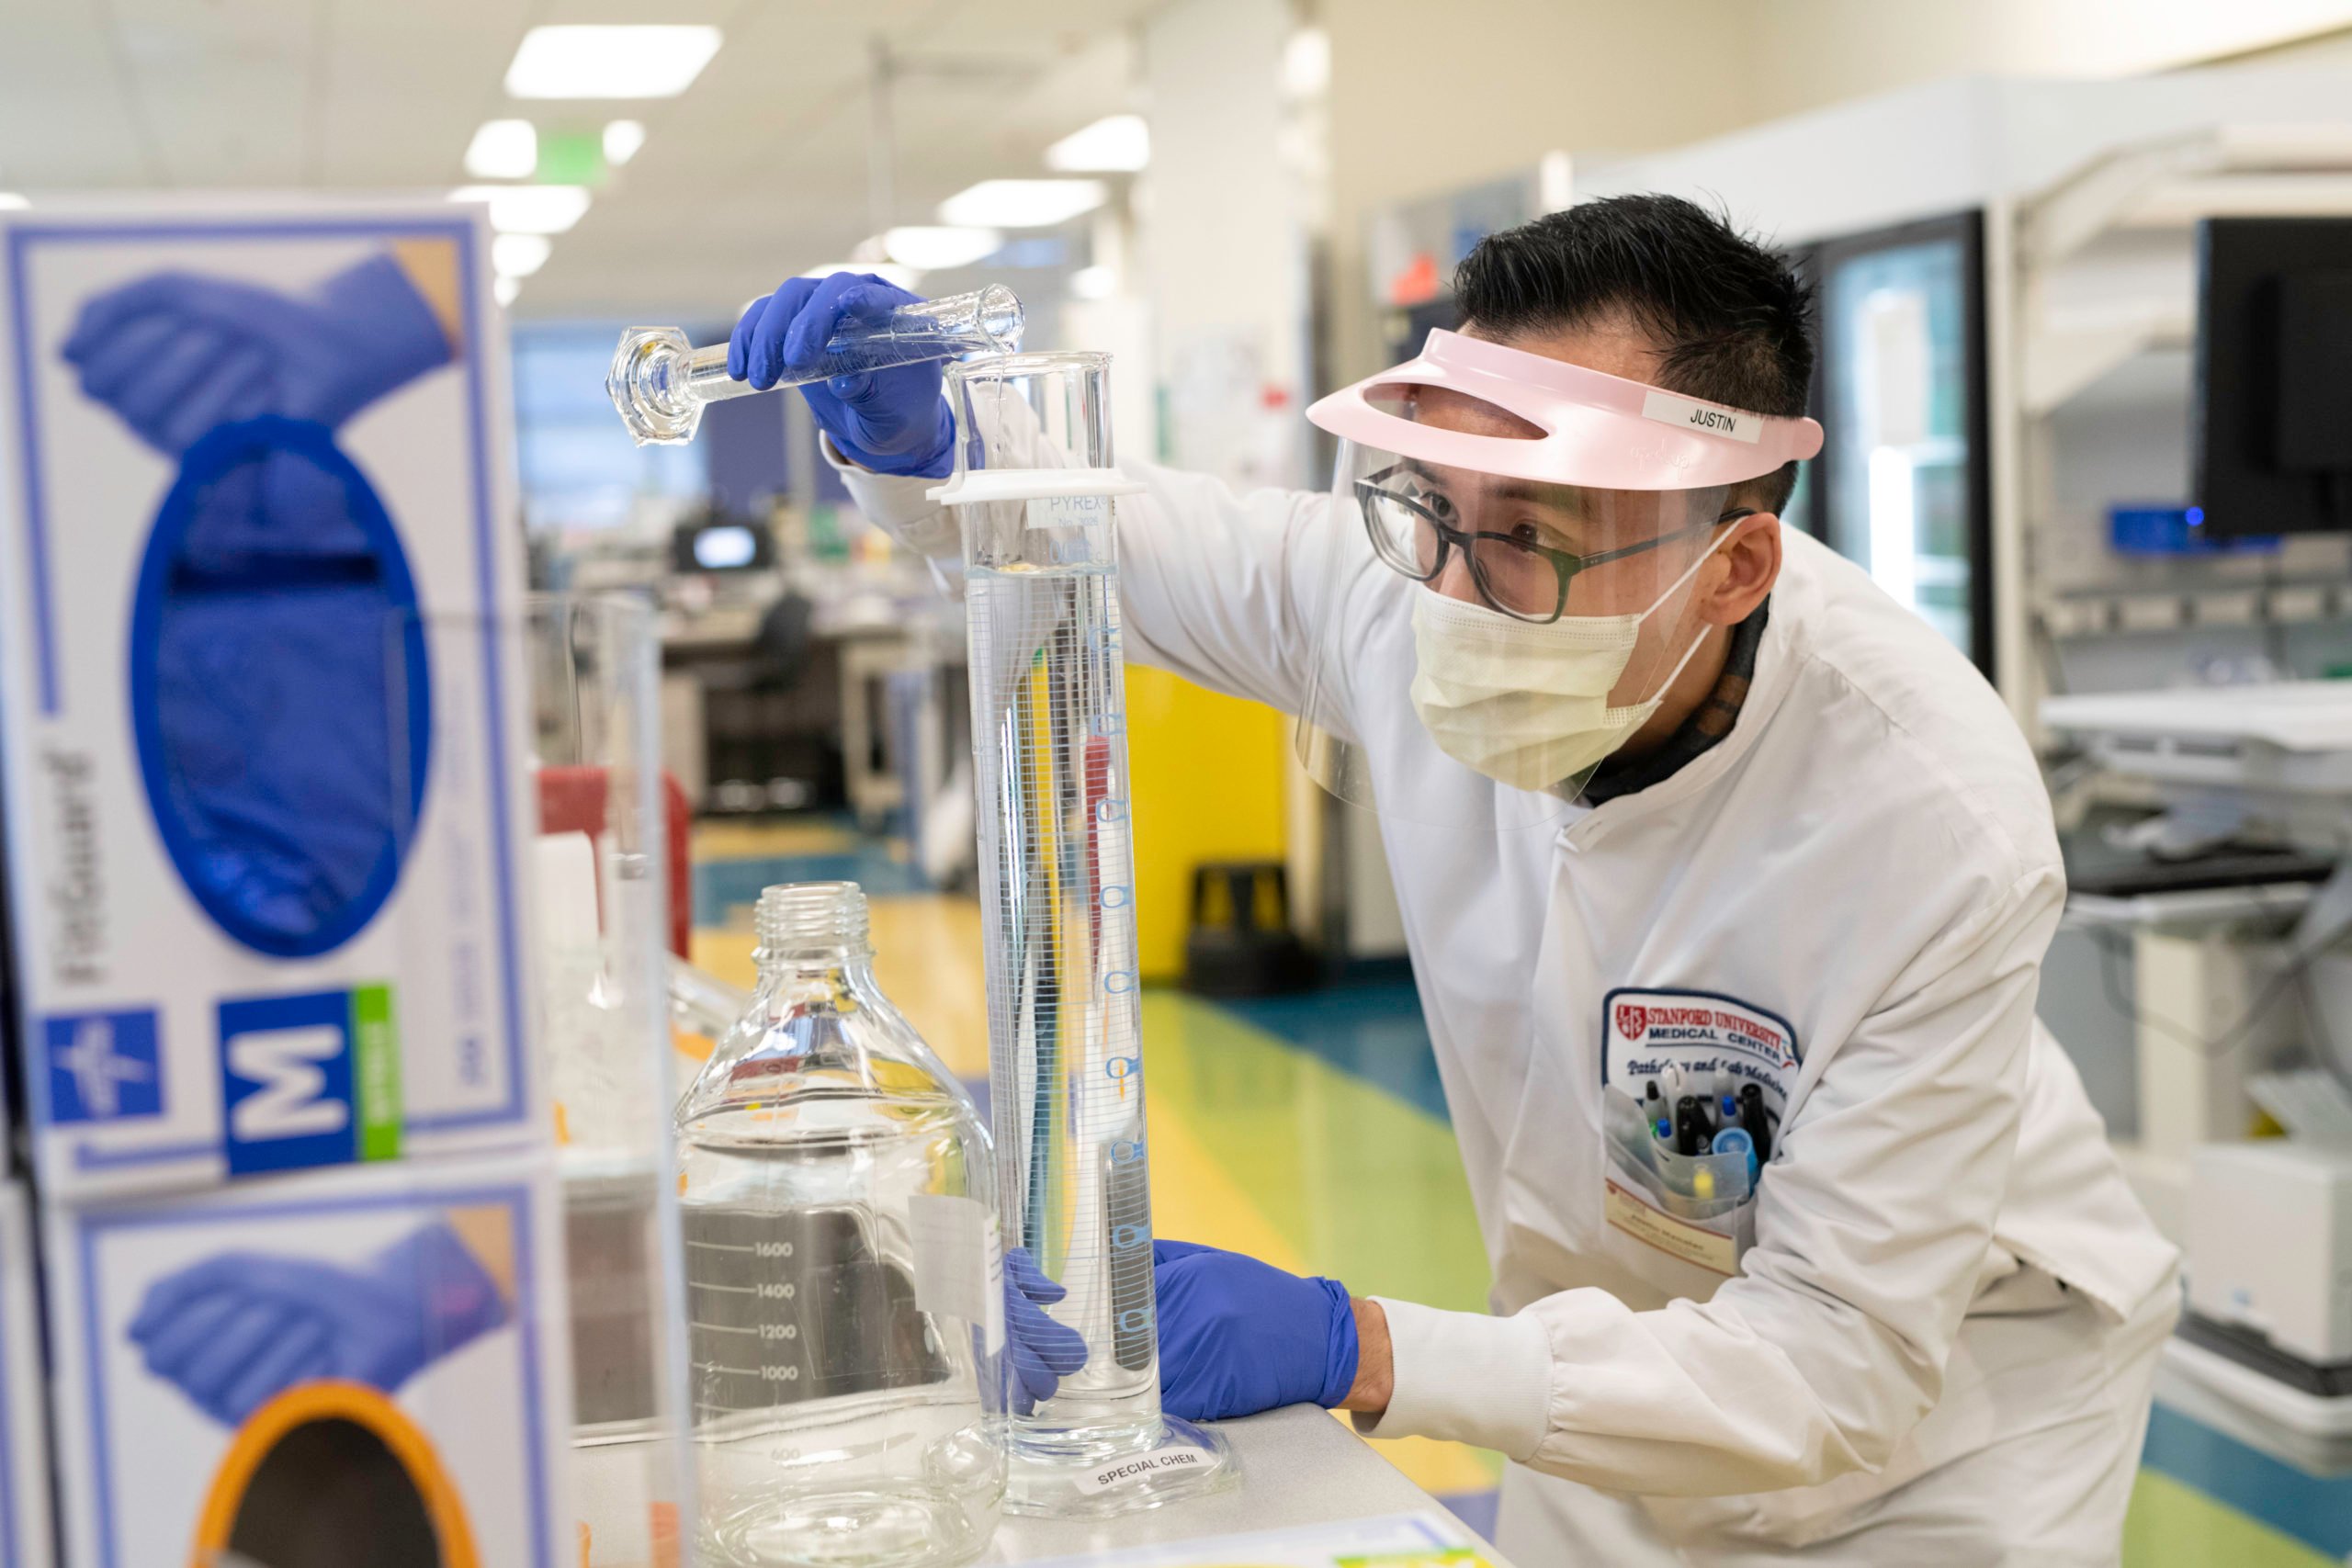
1901, 484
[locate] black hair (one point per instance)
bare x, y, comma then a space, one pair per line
1732, 322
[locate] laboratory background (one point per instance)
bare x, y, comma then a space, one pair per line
393, 905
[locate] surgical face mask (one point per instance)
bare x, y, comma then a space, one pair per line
1527, 704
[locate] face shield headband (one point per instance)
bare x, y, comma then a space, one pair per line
1592, 430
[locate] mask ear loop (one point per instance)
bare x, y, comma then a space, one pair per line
1688, 653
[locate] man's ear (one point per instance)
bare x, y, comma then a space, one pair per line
1749, 557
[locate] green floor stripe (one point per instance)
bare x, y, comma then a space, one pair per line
2174, 1526
1367, 1188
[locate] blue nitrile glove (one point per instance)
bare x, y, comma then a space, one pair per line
894, 421
175, 354
234, 1331
1044, 1351
1237, 1335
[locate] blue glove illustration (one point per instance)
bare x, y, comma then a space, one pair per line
1044, 1351
1237, 1335
894, 421
177, 353
235, 1331
280, 686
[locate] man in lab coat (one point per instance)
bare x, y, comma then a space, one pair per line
1727, 884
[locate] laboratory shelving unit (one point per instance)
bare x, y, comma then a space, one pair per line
2091, 284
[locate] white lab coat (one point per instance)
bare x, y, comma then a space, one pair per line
1869, 857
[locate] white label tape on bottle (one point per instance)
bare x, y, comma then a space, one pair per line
1126, 1472
960, 1266
1668, 408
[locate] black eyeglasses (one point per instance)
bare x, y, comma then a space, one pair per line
1522, 579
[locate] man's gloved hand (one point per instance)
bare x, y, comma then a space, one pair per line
894, 421
1044, 1351
177, 353
1237, 1335
234, 1331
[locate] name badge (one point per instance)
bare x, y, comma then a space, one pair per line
1668, 408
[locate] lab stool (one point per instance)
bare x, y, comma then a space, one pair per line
1240, 943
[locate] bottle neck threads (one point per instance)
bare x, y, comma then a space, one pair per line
804, 924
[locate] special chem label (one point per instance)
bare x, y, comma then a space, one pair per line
1129, 1471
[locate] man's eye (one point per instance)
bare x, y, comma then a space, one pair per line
1526, 534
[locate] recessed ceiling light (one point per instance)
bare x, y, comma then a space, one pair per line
1307, 63
1119, 143
528, 209
503, 150
505, 288
1021, 204
622, 139
928, 248
519, 255
11, 201
636, 61
905, 278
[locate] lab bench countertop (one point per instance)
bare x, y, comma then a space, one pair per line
1299, 1466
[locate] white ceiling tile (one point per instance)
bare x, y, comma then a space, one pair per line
759, 170
67, 122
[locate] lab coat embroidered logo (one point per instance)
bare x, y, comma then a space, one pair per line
1632, 1023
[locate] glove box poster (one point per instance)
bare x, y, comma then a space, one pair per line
262, 731
267, 1371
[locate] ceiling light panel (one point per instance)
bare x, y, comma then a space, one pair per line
1021, 204
503, 150
528, 209
1119, 143
519, 255
928, 248
622, 139
636, 61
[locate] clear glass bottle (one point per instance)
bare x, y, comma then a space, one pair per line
845, 1286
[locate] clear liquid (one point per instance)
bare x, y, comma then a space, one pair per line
836, 1423
1057, 894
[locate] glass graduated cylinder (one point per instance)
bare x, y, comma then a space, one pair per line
659, 383
1057, 908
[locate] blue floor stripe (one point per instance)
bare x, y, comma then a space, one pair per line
723, 887
1374, 1032
2313, 1509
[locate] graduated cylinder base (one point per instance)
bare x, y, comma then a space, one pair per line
1094, 1471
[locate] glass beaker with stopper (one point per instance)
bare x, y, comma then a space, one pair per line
844, 1283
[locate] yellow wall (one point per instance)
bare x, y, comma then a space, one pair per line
1206, 772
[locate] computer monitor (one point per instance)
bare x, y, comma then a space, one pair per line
721, 544
2271, 432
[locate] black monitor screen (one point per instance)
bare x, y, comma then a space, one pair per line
2271, 432
724, 547
723, 544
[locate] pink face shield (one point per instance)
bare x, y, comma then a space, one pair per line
1598, 431
1495, 516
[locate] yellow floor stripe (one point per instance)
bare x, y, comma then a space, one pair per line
761, 840
1194, 1197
